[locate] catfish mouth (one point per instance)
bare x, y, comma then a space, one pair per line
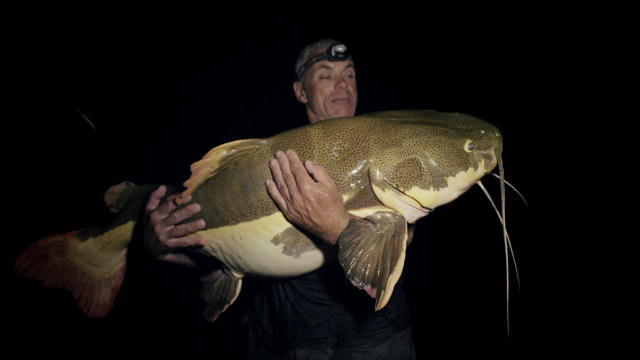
409, 201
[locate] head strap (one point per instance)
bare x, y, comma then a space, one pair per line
335, 52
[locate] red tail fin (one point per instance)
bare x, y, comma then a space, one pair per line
90, 267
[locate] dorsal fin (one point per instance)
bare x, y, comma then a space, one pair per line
215, 160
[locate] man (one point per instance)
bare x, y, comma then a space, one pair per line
319, 315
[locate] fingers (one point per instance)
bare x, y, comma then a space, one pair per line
298, 169
273, 191
318, 172
307, 196
186, 241
155, 198
371, 291
182, 214
288, 174
164, 217
280, 184
172, 235
175, 237
289, 179
181, 231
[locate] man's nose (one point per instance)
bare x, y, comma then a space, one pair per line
341, 82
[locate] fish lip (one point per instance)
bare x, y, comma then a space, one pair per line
413, 203
420, 208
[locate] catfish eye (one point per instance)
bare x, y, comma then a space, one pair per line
469, 147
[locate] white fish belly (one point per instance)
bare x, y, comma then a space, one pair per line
247, 248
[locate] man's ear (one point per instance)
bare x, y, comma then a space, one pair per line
301, 94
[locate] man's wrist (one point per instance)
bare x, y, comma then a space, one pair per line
342, 224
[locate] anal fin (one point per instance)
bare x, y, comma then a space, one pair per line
372, 253
220, 289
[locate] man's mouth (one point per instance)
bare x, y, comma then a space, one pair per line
341, 100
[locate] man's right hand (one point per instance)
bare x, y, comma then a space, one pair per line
163, 238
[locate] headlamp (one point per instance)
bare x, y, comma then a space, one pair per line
335, 52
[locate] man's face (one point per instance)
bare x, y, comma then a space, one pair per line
329, 90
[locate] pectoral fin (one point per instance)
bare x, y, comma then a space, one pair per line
220, 289
372, 253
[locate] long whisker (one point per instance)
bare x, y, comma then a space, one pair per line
507, 243
514, 189
511, 252
508, 249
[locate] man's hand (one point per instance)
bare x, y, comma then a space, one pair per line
163, 237
307, 196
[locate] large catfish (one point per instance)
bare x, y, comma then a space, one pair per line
391, 168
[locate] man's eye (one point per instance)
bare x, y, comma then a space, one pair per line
325, 77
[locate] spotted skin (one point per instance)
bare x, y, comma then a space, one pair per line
413, 150
391, 168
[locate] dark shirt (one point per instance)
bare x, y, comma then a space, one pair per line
322, 309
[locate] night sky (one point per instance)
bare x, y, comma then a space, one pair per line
162, 84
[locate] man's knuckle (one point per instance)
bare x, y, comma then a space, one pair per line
179, 231
163, 239
173, 218
306, 188
194, 226
178, 216
157, 229
155, 214
188, 228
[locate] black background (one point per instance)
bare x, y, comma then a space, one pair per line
164, 83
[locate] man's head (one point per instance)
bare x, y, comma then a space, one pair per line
326, 81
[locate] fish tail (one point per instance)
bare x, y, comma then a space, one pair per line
89, 263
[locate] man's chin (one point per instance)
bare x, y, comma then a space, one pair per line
342, 111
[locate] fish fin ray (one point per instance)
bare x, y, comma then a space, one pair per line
372, 253
217, 159
220, 289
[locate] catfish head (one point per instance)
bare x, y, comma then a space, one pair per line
432, 160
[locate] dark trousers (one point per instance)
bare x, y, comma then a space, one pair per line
398, 347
